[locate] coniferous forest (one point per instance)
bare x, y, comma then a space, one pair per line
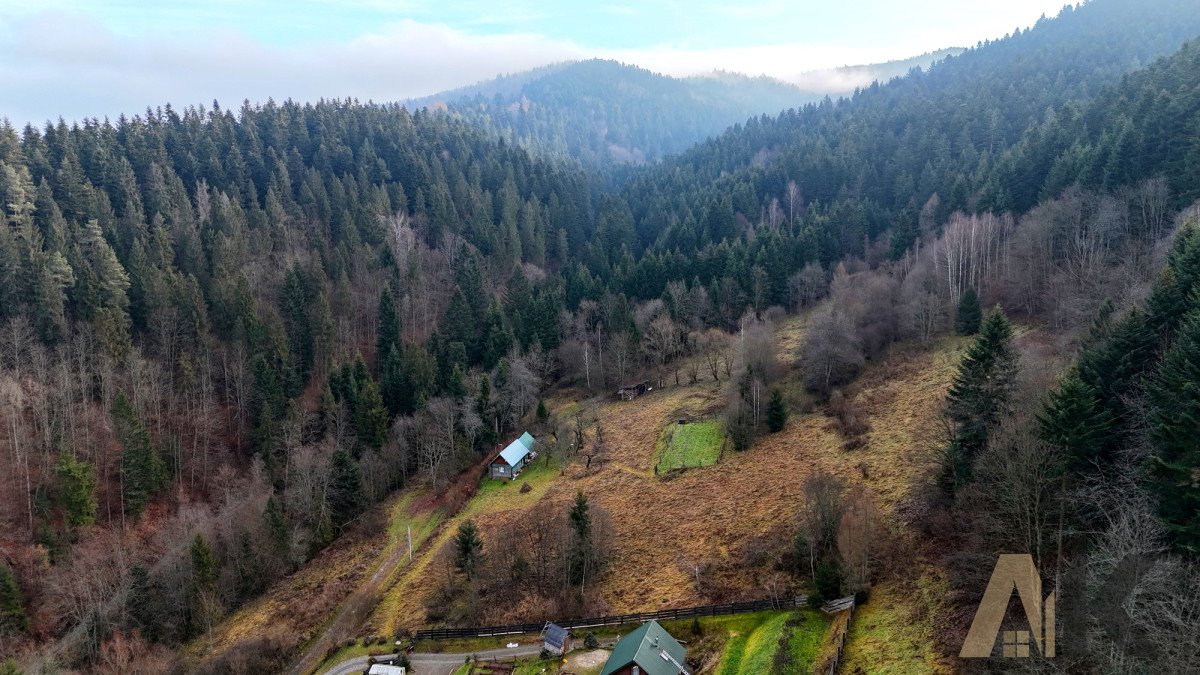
229, 334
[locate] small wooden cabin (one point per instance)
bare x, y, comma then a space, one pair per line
634, 390
556, 639
510, 461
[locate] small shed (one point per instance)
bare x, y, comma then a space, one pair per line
556, 639
631, 391
648, 650
510, 461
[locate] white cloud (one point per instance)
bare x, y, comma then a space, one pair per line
57, 63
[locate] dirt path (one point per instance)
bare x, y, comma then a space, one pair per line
360, 604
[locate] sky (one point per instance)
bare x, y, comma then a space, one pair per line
87, 58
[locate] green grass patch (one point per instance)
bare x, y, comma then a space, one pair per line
805, 641
685, 446
754, 639
501, 495
402, 518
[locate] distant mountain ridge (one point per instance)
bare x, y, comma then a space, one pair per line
601, 112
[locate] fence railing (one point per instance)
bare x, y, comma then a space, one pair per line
833, 607
616, 619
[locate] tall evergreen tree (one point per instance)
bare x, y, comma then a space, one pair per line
1072, 419
203, 599
468, 550
388, 337
12, 614
277, 530
142, 471
581, 556
139, 603
370, 416
1174, 420
969, 315
75, 491
346, 498
777, 412
978, 397
393, 386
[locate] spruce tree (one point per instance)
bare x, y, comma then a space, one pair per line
202, 593
392, 385
1073, 420
420, 376
1174, 421
139, 607
468, 550
75, 492
969, 314
370, 416
542, 413
277, 530
142, 472
777, 412
581, 556
388, 337
978, 397
12, 615
346, 498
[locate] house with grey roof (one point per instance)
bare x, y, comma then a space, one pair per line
648, 650
556, 639
510, 461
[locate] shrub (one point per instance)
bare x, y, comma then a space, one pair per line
590, 641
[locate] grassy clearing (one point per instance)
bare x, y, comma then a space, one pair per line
753, 641
759, 651
888, 636
685, 446
805, 641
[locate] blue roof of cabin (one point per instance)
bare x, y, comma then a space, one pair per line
517, 450
556, 636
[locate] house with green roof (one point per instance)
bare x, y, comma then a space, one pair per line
649, 650
512, 459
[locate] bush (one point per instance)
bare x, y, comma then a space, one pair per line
590, 641
526, 487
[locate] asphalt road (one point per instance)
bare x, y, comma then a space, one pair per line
436, 664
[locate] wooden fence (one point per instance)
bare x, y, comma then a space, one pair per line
617, 619
835, 607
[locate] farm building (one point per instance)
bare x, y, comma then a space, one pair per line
511, 460
633, 390
556, 639
649, 650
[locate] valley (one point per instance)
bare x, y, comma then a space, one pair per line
727, 374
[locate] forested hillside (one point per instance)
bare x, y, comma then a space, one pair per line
600, 112
226, 335
870, 163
